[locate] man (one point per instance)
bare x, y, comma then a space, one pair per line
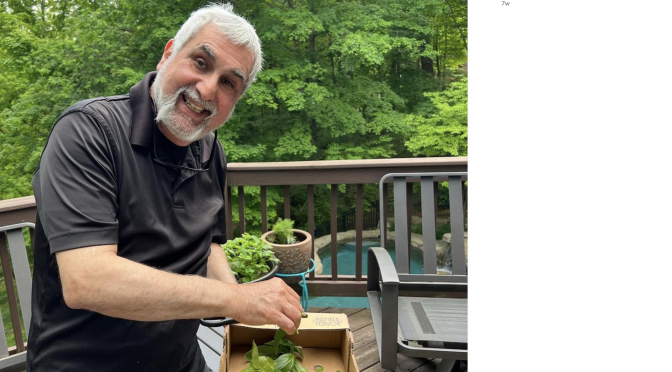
129, 194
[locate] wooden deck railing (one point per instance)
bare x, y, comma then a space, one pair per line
334, 173
302, 174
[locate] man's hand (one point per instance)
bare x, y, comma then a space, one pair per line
268, 302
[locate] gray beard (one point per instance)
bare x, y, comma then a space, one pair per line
171, 120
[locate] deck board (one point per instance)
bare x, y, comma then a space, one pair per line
366, 349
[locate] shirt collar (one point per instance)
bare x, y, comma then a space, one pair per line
142, 112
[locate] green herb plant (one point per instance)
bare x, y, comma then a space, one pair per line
249, 257
279, 355
282, 232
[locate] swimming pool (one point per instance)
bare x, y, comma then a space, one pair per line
346, 253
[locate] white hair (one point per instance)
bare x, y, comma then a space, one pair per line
234, 27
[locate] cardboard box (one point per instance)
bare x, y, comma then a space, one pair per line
326, 340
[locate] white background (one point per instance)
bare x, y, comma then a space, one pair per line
570, 162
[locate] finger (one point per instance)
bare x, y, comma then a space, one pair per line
289, 329
291, 316
294, 314
296, 308
287, 325
297, 322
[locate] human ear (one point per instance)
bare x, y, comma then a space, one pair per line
167, 51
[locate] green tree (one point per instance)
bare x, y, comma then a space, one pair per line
443, 132
342, 79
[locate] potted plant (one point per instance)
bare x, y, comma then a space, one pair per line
250, 258
291, 246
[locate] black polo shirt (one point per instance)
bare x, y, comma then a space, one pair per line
97, 183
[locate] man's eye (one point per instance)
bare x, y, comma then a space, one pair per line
228, 82
200, 63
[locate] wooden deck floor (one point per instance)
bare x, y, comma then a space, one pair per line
361, 325
366, 350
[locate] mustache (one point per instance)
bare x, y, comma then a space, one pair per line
191, 93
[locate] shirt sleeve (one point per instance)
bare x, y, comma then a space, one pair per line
75, 184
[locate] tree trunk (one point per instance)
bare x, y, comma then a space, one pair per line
43, 18
426, 63
311, 42
333, 66
314, 140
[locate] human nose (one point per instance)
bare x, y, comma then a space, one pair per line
207, 88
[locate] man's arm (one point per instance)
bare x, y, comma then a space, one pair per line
218, 265
96, 279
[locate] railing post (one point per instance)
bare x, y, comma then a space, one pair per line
334, 233
359, 227
241, 209
311, 224
409, 215
287, 209
264, 213
229, 214
383, 217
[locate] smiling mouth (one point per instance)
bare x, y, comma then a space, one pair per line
193, 106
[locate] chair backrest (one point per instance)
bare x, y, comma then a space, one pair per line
16, 271
403, 205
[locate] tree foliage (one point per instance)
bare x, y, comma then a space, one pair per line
341, 80
444, 131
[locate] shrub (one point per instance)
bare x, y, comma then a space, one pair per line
442, 229
416, 228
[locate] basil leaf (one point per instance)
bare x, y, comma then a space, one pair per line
266, 364
263, 350
255, 356
285, 362
299, 368
279, 336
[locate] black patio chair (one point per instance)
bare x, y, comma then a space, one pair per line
420, 315
12, 237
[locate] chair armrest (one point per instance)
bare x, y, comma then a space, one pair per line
13, 363
384, 303
380, 264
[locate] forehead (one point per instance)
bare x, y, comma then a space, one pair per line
227, 53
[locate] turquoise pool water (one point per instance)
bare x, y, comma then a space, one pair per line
346, 266
348, 251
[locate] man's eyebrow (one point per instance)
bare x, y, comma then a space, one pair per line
207, 50
239, 74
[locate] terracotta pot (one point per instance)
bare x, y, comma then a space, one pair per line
294, 258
